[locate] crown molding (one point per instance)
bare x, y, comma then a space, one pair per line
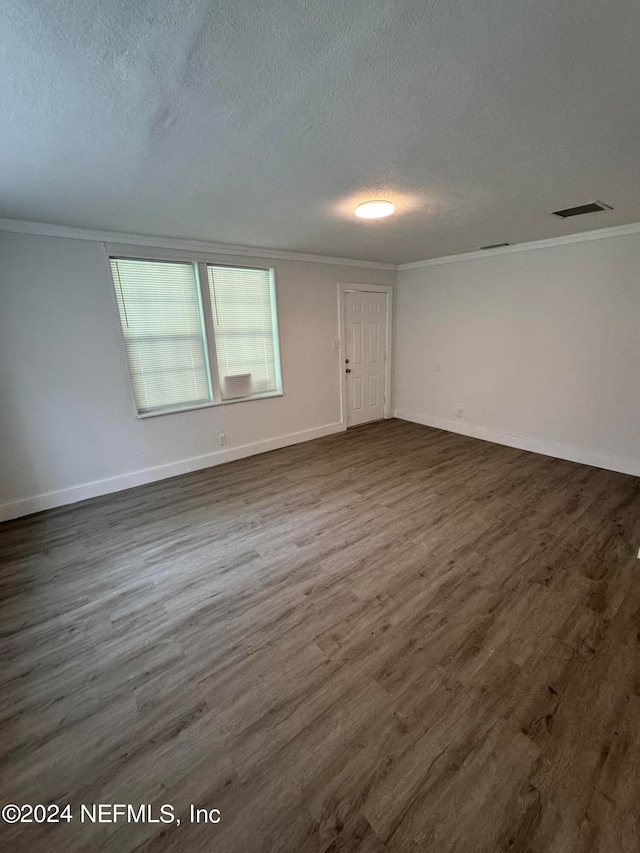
43, 229
22, 226
600, 234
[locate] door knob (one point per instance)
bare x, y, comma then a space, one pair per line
348, 370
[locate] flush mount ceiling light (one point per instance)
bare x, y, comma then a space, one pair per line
375, 209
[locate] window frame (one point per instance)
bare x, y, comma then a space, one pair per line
200, 265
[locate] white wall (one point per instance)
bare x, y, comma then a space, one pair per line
68, 428
541, 347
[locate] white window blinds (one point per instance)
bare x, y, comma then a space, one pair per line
161, 318
243, 309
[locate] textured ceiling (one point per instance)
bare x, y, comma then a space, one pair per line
264, 123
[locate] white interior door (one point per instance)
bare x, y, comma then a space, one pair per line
365, 325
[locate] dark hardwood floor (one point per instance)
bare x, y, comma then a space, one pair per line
393, 639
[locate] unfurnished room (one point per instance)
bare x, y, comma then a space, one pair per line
320, 426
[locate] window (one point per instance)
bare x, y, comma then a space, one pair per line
243, 328
163, 332
197, 334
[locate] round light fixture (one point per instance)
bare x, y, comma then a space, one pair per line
375, 209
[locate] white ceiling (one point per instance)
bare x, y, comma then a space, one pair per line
264, 123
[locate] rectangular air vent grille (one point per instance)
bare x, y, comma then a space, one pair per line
592, 207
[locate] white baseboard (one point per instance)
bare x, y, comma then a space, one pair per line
49, 500
621, 464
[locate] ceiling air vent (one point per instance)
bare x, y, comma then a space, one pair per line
592, 207
495, 246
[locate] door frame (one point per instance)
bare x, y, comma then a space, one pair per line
343, 288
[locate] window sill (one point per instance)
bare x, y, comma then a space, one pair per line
212, 405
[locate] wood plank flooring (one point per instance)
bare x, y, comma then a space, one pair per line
393, 639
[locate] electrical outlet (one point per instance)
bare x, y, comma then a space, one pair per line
460, 412
222, 438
